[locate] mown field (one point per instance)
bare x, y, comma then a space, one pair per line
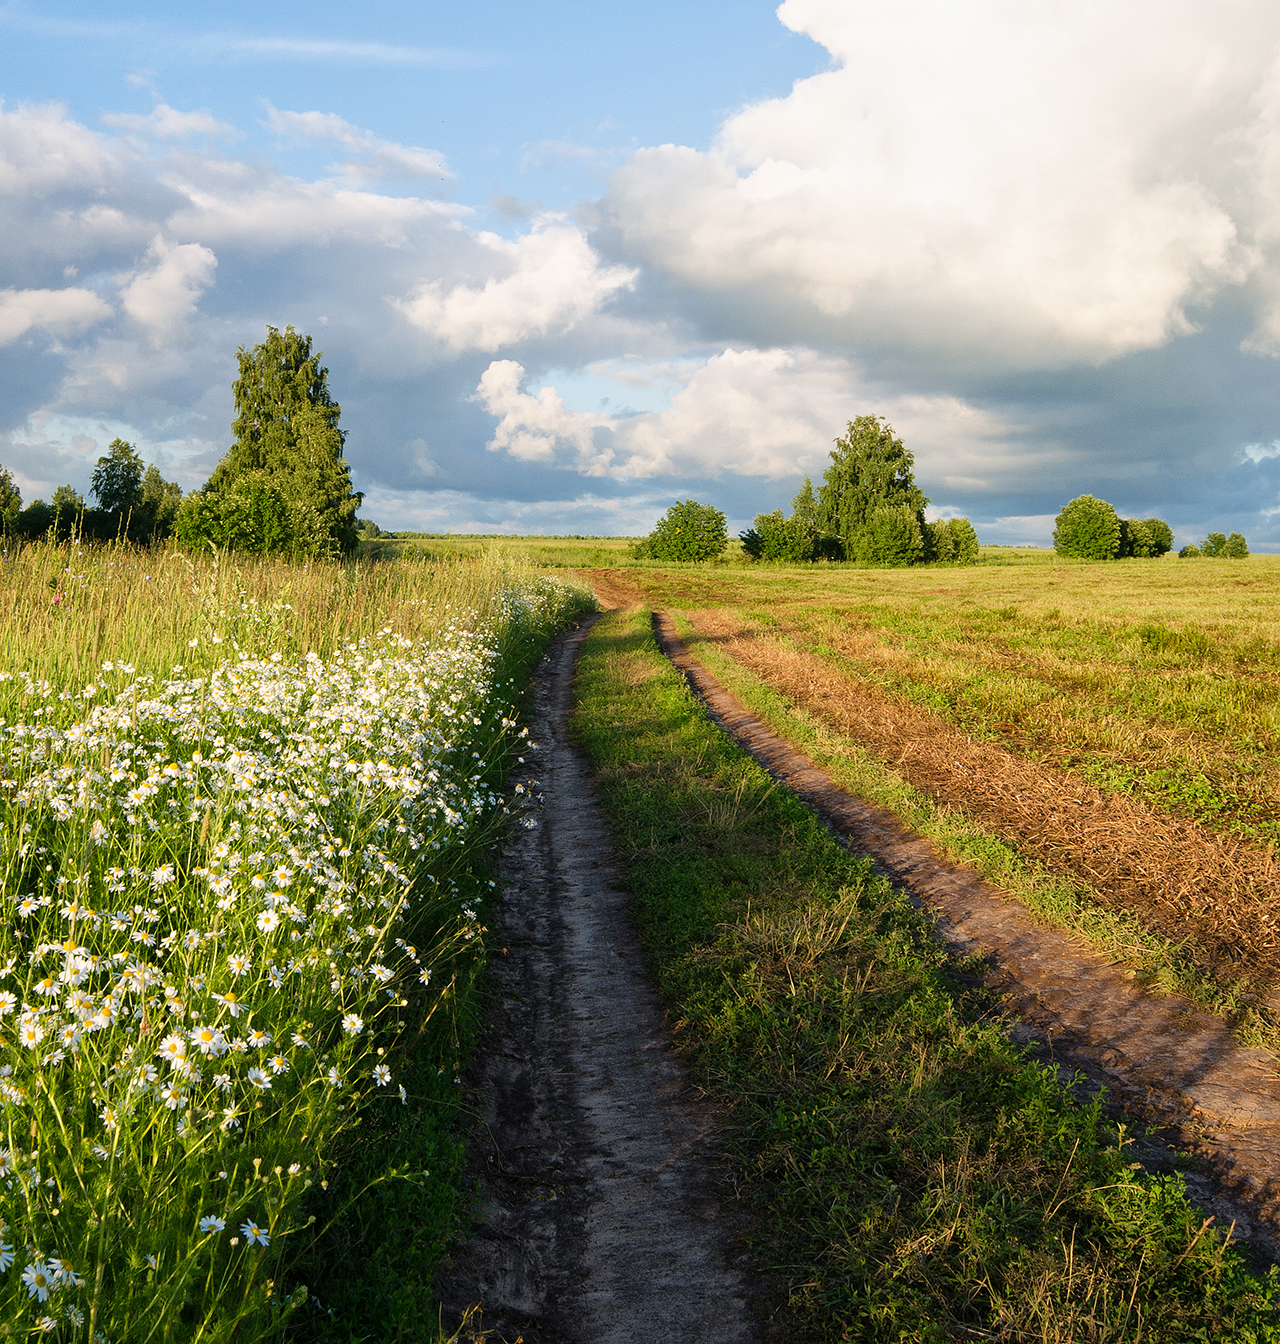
247, 813
1104, 738
914, 1174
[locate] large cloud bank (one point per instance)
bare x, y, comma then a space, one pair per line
1044, 240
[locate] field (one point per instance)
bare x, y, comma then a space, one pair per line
1113, 728
245, 846
914, 1174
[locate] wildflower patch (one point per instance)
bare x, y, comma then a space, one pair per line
221, 893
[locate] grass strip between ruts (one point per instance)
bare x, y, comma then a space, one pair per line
915, 1175
1059, 901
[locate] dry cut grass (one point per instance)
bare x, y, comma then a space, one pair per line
1189, 883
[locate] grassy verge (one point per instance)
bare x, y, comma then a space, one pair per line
916, 1176
1056, 900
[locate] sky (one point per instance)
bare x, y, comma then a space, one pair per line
571, 263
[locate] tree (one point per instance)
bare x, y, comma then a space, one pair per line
1087, 529
1190, 552
1212, 545
1161, 536
893, 535
10, 503
117, 478
288, 448
951, 541
67, 500
159, 504
774, 537
688, 531
871, 470
1235, 547
1135, 539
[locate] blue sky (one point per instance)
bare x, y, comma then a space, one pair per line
570, 263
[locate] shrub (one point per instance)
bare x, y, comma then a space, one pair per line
892, 536
941, 544
774, 537
1087, 529
1161, 536
1135, 539
1213, 544
687, 531
1235, 547
1190, 552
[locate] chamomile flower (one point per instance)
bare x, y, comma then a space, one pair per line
253, 1233
260, 1080
212, 1223
381, 1075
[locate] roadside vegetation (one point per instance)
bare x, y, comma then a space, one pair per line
245, 832
915, 1174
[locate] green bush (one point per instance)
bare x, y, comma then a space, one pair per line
1087, 529
252, 515
688, 531
1190, 552
1212, 544
774, 537
1136, 540
893, 536
1235, 547
951, 541
1161, 536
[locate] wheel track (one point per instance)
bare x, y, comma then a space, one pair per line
1159, 1056
603, 1215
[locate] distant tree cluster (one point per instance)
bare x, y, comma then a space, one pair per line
134, 503
868, 509
1091, 529
1218, 546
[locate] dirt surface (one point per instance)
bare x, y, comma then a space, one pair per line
1174, 1066
603, 1214
1217, 895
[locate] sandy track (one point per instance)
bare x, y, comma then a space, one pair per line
603, 1215
1159, 1055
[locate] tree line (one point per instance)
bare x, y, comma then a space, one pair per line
1089, 528
282, 487
868, 509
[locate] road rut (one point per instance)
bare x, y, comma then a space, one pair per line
1158, 1055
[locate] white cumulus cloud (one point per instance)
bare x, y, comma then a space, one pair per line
755, 413
62, 312
1020, 184
549, 280
165, 294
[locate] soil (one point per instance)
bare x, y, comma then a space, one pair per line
604, 1212
1178, 1069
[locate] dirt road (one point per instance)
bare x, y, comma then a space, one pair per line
603, 1216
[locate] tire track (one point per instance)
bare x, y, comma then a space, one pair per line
1160, 1057
603, 1215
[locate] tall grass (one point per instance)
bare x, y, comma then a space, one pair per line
238, 805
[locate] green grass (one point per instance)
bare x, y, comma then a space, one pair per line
1158, 679
1057, 900
914, 1174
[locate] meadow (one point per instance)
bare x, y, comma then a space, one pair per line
248, 814
1102, 738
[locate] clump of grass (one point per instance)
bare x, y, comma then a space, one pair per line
915, 1174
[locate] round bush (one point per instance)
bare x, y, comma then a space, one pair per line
688, 531
1087, 529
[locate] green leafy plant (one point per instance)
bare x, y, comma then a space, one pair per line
872, 470
1161, 536
688, 531
1235, 547
1087, 529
